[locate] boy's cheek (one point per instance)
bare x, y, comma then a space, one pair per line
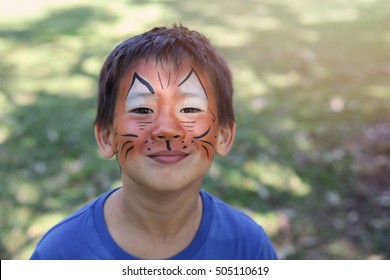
126, 138
134, 137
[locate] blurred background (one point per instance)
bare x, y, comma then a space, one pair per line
311, 161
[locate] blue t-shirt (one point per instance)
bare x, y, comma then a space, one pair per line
224, 234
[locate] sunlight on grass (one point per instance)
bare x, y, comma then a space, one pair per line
270, 221
382, 92
337, 15
263, 23
22, 10
248, 82
5, 106
76, 86
309, 78
142, 17
35, 231
26, 193
342, 247
274, 175
4, 134
43, 223
289, 79
386, 37
222, 36
312, 13
92, 65
310, 36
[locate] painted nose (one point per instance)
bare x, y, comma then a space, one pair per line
168, 129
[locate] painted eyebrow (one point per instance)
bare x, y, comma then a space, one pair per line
142, 81
200, 82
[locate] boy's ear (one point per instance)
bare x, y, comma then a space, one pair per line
225, 139
104, 139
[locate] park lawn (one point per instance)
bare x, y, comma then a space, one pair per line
311, 160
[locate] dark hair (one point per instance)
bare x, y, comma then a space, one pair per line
175, 44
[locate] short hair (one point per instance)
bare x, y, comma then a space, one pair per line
175, 44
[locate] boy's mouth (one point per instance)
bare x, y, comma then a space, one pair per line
168, 157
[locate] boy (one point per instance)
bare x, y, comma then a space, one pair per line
164, 110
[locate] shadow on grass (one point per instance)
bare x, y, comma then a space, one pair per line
49, 163
60, 23
295, 151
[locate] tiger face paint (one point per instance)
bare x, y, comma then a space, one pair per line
165, 120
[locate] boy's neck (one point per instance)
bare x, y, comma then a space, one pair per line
167, 222
160, 212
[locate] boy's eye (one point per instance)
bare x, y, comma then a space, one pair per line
142, 111
190, 110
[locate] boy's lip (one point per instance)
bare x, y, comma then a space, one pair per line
168, 157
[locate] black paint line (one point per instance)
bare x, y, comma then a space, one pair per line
203, 135
205, 92
130, 135
128, 150
207, 142
124, 144
207, 151
162, 64
186, 78
168, 145
189, 75
159, 78
177, 76
142, 81
214, 117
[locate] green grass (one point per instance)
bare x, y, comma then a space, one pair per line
311, 160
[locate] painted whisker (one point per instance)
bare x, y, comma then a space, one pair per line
129, 149
207, 142
207, 151
124, 144
203, 135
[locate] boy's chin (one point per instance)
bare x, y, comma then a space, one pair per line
168, 184
171, 184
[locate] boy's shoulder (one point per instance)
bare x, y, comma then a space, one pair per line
235, 234
227, 214
72, 233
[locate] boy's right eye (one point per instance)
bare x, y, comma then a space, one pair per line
142, 111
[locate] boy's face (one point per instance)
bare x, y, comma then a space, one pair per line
165, 131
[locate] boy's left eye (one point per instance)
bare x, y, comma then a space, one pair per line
190, 110
142, 111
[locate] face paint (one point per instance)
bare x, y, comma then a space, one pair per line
163, 117
137, 95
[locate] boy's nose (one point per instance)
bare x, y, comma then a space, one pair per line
169, 129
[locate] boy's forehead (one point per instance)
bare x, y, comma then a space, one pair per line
152, 66
163, 73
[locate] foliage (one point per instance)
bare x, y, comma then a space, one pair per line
311, 160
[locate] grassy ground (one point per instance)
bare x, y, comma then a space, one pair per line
311, 161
